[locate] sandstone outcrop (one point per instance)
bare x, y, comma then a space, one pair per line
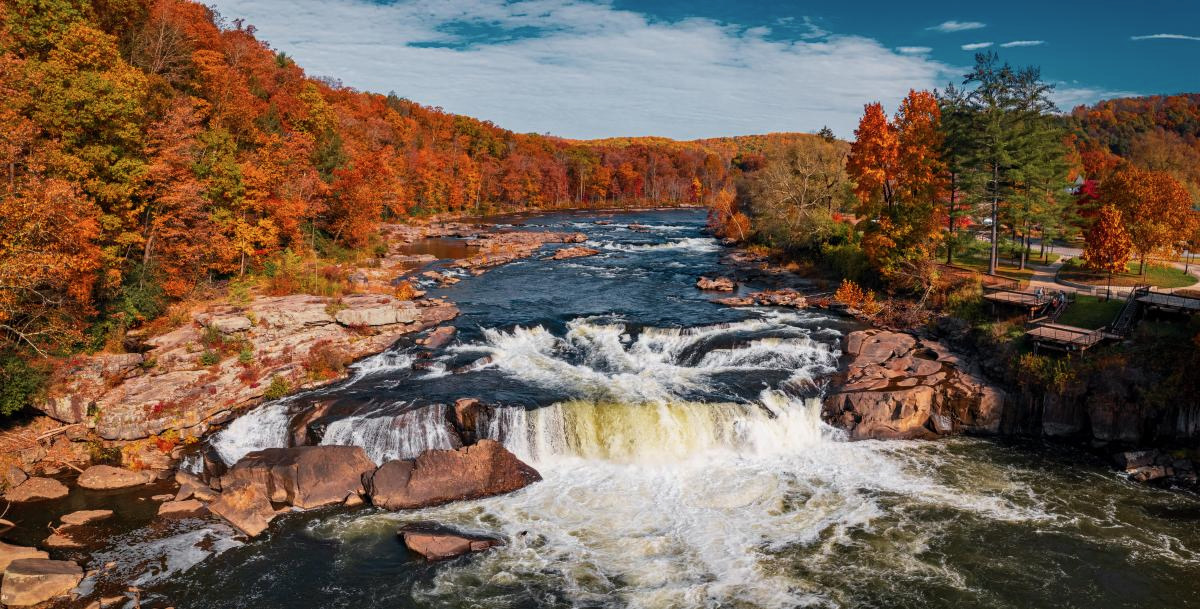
897, 386
441, 476
168, 387
303, 476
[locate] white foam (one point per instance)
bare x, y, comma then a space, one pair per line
600, 360
689, 244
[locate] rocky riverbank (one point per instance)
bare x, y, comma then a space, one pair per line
140, 410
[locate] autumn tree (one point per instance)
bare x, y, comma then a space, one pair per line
800, 187
1108, 245
899, 177
1156, 209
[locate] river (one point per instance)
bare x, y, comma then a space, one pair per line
685, 465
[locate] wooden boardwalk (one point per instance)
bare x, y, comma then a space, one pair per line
1029, 301
1066, 338
1170, 302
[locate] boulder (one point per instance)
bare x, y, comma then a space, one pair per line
900, 414
719, 284
226, 324
9, 553
181, 509
192, 487
37, 489
30, 581
1148, 473
441, 476
107, 477
435, 543
245, 506
83, 517
303, 476
375, 310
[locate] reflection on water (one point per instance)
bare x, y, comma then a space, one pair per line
442, 248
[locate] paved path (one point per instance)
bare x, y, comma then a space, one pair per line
1044, 275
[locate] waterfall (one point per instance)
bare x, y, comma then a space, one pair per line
661, 432
264, 427
402, 436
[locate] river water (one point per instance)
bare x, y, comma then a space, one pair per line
685, 465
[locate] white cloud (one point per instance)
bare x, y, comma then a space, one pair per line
1165, 37
975, 46
583, 69
1068, 95
914, 50
1023, 43
956, 26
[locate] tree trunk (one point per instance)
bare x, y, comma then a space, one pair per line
995, 220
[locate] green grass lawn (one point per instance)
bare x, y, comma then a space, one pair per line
1091, 312
1156, 275
1004, 268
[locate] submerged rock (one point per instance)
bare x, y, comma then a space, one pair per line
30, 581
107, 477
37, 489
442, 476
303, 476
438, 543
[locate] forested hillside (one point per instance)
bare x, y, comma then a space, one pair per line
1160, 132
150, 146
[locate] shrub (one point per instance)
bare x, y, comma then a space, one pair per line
405, 291
278, 388
20, 383
246, 355
104, 455
325, 361
846, 260
209, 358
852, 295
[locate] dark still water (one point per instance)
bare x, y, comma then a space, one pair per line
685, 465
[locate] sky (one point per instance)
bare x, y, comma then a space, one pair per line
689, 69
